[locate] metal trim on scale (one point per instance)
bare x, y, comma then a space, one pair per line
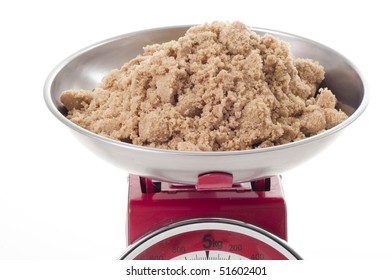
209, 223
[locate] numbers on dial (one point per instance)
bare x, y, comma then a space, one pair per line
210, 243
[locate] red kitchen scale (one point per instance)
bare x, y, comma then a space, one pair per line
203, 205
214, 219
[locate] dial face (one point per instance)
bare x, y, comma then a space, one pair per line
212, 239
210, 255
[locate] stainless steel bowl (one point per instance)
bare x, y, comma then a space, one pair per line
86, 68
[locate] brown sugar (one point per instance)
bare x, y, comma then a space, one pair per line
220, 87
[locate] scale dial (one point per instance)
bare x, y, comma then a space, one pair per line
210, 239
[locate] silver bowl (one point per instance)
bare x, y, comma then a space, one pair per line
86, 68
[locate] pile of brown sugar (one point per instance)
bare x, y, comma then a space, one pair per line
219, 87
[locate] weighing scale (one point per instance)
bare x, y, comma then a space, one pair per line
203, 205
214, 219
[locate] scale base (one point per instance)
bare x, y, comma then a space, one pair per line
153, 205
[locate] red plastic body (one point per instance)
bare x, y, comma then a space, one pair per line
153, 205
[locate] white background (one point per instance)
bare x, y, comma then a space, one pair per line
58, 201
